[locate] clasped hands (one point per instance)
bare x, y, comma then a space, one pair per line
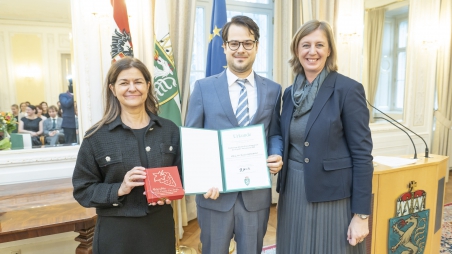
274, 163
53, 133
133, 178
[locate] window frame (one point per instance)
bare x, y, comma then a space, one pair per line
391, 107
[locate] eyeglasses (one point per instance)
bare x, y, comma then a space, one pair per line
235, 45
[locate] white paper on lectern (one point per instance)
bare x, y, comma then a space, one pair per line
244, 158
394, 161
201, 160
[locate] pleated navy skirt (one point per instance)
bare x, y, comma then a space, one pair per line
311, 228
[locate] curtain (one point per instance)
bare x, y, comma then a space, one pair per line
289, 16
182, 19
374, 23
443, 115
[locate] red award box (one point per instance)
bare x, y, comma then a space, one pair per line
163, 183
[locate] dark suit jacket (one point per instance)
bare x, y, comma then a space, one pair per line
337, 145
67, 104
210, 108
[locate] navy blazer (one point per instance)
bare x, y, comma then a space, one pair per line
210, 108
337, 144
67, 104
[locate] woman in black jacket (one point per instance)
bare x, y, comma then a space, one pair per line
111, 163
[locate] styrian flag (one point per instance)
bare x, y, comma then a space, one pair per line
166, 83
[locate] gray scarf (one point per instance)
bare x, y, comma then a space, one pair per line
303, 93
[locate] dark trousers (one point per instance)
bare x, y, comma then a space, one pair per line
69, 135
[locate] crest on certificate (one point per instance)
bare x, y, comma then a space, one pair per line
247, 180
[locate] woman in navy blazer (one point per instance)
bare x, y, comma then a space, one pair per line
326, 181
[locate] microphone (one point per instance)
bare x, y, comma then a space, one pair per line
415, 153
426, 147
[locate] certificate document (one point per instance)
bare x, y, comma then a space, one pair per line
231, 160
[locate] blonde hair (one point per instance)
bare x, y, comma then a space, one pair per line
306, 29
112, 105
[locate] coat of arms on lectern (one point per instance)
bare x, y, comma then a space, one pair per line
408, 230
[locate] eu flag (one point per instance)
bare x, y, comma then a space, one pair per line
216, 59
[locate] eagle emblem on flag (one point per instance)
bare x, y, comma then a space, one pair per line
121, 43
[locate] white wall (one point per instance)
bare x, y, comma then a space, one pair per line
55, 39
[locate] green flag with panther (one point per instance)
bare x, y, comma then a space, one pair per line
166, 84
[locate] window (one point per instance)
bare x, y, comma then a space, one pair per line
261, 11
391, 83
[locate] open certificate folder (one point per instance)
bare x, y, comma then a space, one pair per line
231, 160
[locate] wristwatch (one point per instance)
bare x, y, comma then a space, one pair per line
362, 216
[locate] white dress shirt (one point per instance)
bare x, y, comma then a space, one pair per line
234, 92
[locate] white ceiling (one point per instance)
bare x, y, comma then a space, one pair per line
55, 11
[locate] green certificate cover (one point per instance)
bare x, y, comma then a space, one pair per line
231, 159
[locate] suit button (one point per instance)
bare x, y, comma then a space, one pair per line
306, 160
107, 158
148, 149
306, 143
171, 148
115, 204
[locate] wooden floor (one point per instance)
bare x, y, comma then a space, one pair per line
192, 231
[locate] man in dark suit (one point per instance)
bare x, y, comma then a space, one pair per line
67, 105
53, 131
234, 98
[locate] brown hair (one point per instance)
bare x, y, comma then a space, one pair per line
306, 29
112, 105
20, 105
241, 21
54, 108
44, 111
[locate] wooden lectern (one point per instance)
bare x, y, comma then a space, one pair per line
387, 186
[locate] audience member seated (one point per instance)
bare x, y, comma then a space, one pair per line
15, 112
32, 124
23, 108
39, 109
45, 109
52, 128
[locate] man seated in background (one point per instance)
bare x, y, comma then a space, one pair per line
52, 127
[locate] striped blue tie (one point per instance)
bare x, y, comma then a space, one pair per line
242, 112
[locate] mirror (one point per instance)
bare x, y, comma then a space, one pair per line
386, 22
35, 40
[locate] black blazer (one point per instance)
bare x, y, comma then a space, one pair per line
337, 145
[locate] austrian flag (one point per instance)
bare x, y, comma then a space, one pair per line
121, 40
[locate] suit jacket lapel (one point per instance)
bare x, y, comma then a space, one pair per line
221, 86
286, 115
261, 98
325, 92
